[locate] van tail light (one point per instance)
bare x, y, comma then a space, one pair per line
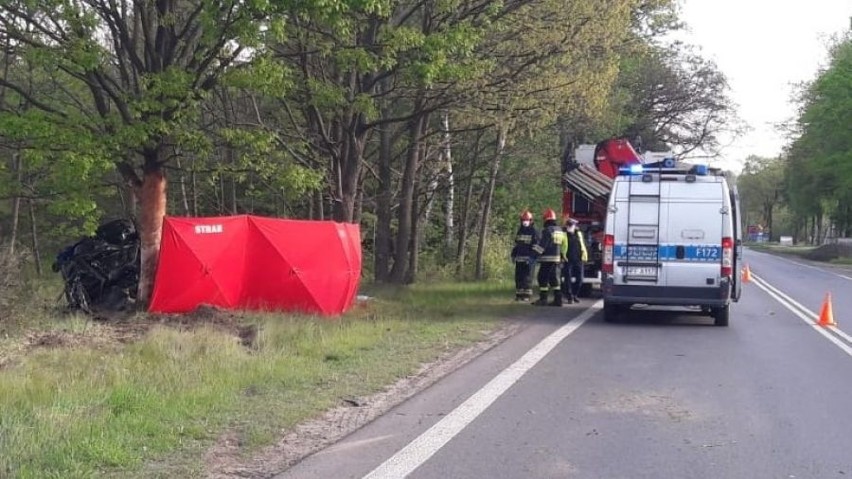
608, 246
727, 257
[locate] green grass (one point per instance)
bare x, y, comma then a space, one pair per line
846, 260
151, 408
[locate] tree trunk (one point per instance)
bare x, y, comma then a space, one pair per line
489, 195
230, 158
383, 205
348, 174
414, 253
234, 209
152, 199
182, 181
847, 231
33, 232
769, 225
450, 200
461, 252
431, 190
16, 201
359, 206
319, 211
220, 193
404, 215
194, 177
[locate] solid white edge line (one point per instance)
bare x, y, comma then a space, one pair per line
840, 333
790, 300
840, 344
418, 451
836, 330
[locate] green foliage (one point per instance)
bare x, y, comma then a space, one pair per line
266, 109
761, 188
819, 160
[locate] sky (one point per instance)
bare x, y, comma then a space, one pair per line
764, 47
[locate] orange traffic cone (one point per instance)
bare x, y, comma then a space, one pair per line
826, 316
746, 275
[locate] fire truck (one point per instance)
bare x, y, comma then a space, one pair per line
587, 180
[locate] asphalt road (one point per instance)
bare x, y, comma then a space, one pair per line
663, 394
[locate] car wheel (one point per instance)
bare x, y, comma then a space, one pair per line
612, 312
721, 315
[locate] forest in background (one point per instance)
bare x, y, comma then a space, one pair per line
806, 192
432, 123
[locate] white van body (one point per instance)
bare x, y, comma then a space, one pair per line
672, 237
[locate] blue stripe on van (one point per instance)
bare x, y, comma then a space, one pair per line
697, 253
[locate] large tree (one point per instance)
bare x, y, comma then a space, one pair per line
673, 98
144, 67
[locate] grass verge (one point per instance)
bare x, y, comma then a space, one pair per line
800, 251
151, 407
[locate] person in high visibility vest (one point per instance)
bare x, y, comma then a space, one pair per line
575, 258
522, 255
549, 252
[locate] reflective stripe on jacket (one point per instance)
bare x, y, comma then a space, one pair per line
525, 239
553, 245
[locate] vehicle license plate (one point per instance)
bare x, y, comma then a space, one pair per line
641, 271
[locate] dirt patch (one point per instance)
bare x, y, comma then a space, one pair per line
229, 322
225, 460
112, 330
829, 252
95, 337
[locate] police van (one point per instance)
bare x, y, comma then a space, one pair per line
673, 238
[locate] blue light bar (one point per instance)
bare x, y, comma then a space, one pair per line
636, 169
700, 170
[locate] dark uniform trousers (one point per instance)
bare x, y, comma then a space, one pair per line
523, 279
548, 277
572, 273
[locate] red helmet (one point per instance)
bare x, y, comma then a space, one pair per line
549, 215
526, 216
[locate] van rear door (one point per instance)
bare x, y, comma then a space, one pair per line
691, 242
738, 242
635, 220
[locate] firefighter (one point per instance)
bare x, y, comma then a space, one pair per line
522, 256
575, 258
549, 251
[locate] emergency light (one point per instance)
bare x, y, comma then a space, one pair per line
667, 166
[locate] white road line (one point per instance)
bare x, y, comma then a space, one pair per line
804, 309
801, 312
418, 451
840, 333
804, 265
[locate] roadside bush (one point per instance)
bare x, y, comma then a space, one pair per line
830, 252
